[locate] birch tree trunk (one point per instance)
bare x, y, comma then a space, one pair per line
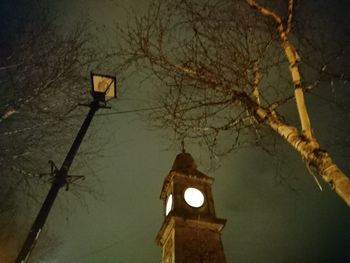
316, 158
306, 145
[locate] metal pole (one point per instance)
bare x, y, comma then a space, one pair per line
60, 180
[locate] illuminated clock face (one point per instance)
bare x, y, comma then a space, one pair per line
169, 204
194, 197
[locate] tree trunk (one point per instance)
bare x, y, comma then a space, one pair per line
315, 157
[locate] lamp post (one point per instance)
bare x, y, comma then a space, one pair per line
103, 89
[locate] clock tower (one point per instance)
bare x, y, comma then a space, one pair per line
191, 232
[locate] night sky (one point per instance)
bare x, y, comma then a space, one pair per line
274, 209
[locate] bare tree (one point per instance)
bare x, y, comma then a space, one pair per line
44, 74
228, 68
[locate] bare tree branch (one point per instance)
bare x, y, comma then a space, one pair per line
223, 73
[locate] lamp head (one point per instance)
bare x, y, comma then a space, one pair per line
103, 87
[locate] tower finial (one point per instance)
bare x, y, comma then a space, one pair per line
183, 146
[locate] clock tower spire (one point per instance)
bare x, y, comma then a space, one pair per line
191, 232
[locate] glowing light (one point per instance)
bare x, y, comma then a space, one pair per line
104, 85
169, 204
194, 197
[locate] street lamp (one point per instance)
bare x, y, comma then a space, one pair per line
103, 89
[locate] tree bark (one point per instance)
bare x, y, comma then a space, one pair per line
293, 59
315, 157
